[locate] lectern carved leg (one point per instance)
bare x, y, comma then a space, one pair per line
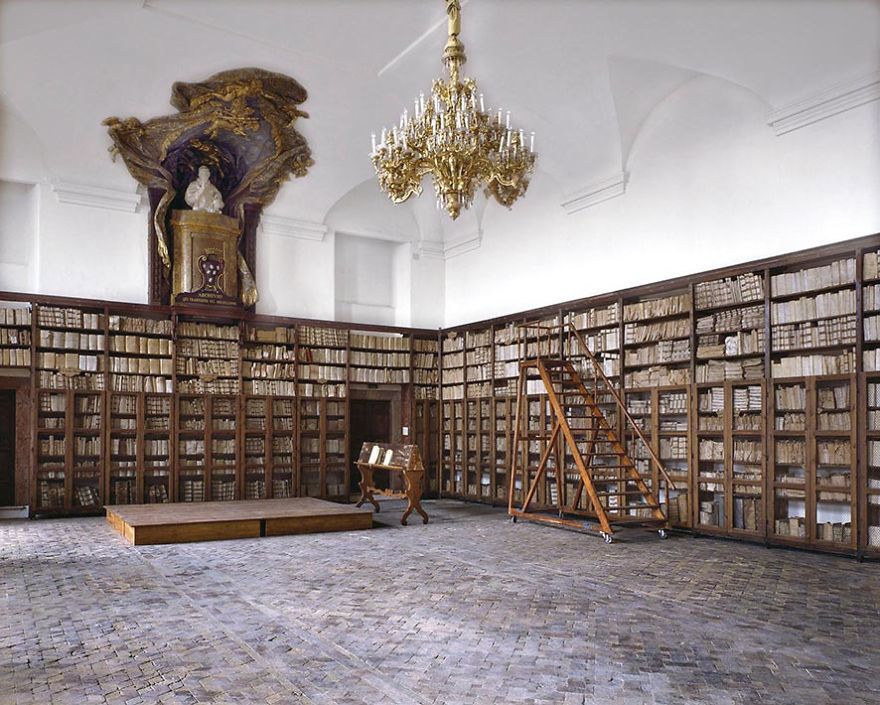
413, 491
366, 485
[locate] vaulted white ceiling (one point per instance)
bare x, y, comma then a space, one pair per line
583, 74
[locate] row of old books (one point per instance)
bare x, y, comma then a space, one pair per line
134, 324
723, 292
15, 357
379, 342
732, 320
193, 329
475, 339
141, 383
69, 318
834, 274
15, 336
747, 452
271, 387
814, 365
323, 337
833, 452
47, 379
791, 526
711, 450
156, 493
655, 308
479, 389
379, 359
479, 373
87, 496
661, 330
871, 360
871, 265
871, 298
818, 334
123, 446
310, 389
381, 375
259, 353
140, 345
192, 490
87, 445
327, 356
321, 373
214, 367
70, 361
222, 349
838, 303
596, 317
791, 452
223, 490
15, 316
872, 328
265, 370
741, 343
156, 366
71, 340
666, 351
673, 403
279, 334
675, 448
719, 370
747, 399
746, 513
478, 356
657, 377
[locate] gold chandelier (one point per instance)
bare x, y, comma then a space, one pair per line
450, 136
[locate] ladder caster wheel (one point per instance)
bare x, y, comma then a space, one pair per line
662, 534
513, 520
608, 537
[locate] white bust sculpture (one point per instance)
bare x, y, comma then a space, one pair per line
202, 195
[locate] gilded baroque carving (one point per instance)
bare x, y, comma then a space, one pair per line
240, 124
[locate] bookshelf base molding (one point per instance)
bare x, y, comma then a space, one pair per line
144, 524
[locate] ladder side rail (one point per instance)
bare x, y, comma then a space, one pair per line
620, 404
514, 449
572, 444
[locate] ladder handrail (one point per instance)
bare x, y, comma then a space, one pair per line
620, 404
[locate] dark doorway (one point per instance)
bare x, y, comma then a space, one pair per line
370, 420
7, 447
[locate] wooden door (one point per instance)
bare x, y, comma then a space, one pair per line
7, 448
369, 420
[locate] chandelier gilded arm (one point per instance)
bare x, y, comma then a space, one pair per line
451, 137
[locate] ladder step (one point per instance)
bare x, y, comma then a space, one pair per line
627, 507
628, 493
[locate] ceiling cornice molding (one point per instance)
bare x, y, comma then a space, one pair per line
430, 249
95, 197
443, 250
282, 226
825, 104
596, 193
461, 245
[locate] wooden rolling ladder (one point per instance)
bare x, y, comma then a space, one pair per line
577, 438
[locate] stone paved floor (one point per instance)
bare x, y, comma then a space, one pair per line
469, 609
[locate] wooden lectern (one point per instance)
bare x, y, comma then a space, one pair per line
393, 457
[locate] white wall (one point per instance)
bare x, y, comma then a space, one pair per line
710, 185
18, 229
365, 280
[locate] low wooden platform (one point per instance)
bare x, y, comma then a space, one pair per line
212, 521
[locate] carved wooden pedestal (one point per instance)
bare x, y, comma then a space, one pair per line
205, 257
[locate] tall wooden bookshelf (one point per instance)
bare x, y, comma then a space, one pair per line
771, 359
